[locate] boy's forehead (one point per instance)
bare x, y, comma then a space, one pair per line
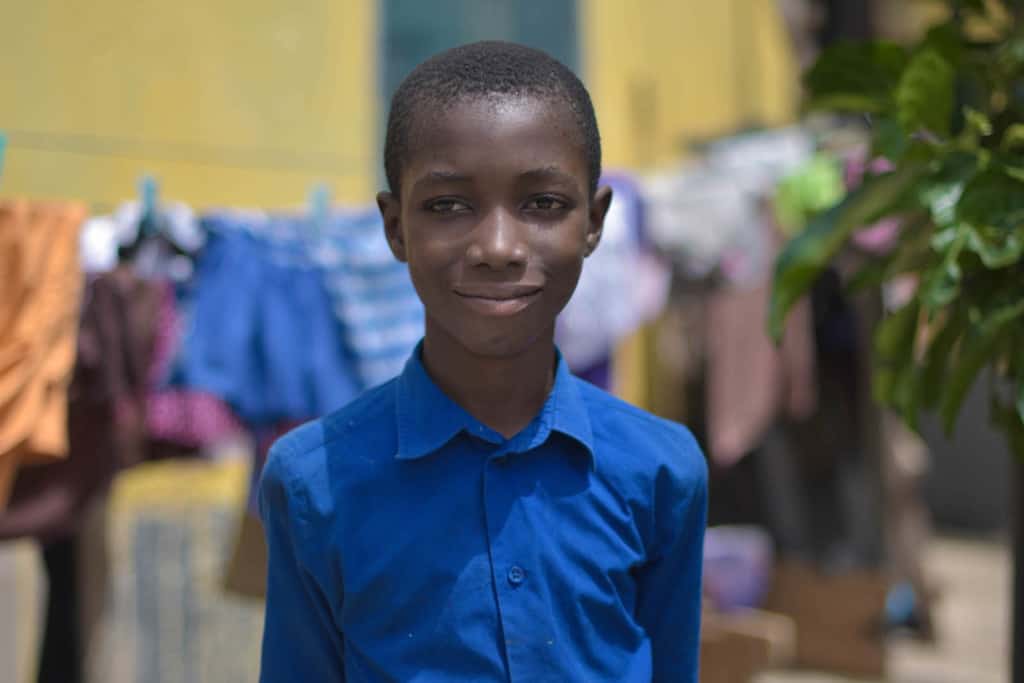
437, 126
432, 113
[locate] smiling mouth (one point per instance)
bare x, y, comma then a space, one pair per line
499, 302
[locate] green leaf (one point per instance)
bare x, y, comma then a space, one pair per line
856, 76
977, 348
924, 96
1015, 172
992, 197
895, 374
894, 337
942, 284
975, 5
1013, 137
942, 191
889, 140
936, 358
847, 102
977, 122
946, 39
997, 247
803, 258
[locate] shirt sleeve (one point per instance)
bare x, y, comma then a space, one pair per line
669, 584
301, 641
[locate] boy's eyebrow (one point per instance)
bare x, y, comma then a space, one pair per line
442, 177
542, 173
547, 173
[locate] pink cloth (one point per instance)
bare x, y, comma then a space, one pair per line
881, 237
182, 416
750, 380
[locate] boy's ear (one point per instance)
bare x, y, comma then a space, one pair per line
391, 212
598, 210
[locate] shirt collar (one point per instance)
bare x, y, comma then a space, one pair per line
428, 418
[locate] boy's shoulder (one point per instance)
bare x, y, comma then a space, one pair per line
635, 439
365, 425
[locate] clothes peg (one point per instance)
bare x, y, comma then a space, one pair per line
319, 206
3, 148
148, 190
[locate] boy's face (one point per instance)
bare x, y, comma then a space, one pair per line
494, 219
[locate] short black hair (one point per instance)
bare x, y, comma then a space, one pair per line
486, 69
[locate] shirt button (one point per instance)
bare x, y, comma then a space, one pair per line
516, 575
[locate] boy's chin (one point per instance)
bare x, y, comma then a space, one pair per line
494, 345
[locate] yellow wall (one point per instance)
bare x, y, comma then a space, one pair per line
665, 72
251, 102
242, 102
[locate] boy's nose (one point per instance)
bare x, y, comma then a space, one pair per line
498, 242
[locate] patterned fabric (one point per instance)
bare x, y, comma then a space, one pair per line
262, 335
372, 293
183, 416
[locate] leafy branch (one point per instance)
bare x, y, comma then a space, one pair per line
948, 113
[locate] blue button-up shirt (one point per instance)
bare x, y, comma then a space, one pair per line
410, 542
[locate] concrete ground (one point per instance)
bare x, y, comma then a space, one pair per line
973, 622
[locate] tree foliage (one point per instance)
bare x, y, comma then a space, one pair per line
948, 112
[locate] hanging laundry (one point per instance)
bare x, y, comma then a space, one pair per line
372, 293
106, 239
262, 334
105, 421
180, 415
39, 308
706, 214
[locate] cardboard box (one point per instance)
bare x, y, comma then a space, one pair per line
838, 618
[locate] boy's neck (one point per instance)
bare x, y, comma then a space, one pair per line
503, 393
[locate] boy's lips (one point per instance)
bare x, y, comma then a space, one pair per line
498, 300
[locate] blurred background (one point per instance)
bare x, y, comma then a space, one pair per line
187, 227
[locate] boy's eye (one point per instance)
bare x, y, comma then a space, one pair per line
447, 205
545, 203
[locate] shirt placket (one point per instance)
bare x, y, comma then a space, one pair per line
507, 569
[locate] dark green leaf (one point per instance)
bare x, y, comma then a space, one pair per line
992, 198
936, 358
1013, 137
997, 247
1011, 54
846, 102
856, 76
803, 258
1015, 172
924, 96
894, 337
889, 140
895, 374
975, 5
946, 39
942, 284
977, 123
977, 348
941, 191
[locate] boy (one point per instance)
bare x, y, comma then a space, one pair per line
486, 516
